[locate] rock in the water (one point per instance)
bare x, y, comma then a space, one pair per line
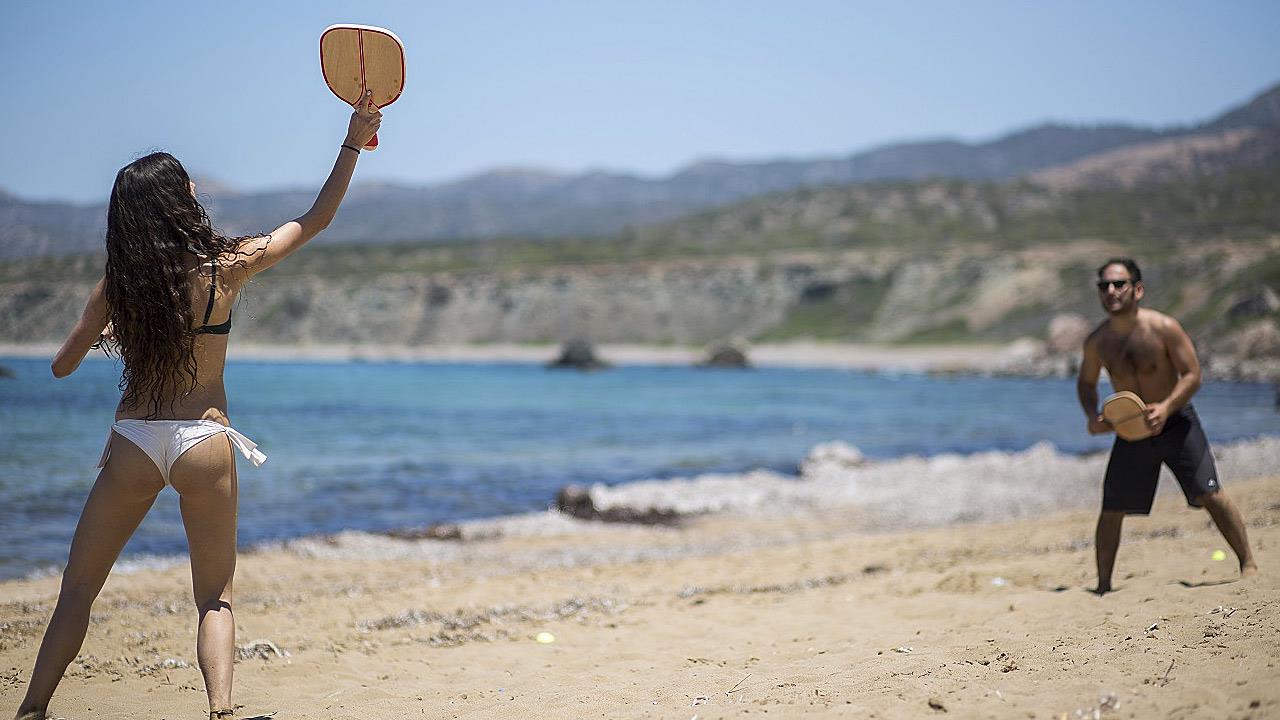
726, 356
575, 500
1066, 334
5, 372
578, 355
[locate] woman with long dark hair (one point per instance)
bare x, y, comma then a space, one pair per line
164, 303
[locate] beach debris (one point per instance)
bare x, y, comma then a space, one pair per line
809, 584
165, 664
578, 354
701, 700
904, 649
999, 581
544, 638
1165, 680
1153, 627
937, 705
468, 625
1218, 556
260, 649
737, 686
726, 356
1107, 703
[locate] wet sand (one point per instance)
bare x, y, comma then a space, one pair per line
725, 616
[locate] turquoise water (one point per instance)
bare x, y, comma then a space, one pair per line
375, 446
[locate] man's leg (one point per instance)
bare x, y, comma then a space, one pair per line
1106, 542
1192, 463
1228, 519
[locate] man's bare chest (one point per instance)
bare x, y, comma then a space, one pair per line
1141, 352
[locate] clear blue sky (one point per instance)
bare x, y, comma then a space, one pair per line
234, 88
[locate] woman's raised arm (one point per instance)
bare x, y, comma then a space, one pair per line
263, 252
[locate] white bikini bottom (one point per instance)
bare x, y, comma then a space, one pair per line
164, 441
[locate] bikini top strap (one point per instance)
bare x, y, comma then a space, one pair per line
213, 286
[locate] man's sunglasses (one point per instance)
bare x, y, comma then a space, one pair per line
1103, 285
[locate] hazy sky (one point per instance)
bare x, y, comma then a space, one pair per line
234, 88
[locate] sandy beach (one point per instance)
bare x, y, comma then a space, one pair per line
725, 615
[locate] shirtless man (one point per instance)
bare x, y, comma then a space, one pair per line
1149, 353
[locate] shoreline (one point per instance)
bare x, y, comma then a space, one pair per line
1020, 358
834, 478
959, 359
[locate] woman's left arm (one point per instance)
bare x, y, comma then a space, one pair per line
86, 332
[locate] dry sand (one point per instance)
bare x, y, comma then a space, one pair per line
808, 619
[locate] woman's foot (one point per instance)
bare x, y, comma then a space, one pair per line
222, 714
30, 715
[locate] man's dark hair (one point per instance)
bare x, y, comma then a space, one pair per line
1134, 273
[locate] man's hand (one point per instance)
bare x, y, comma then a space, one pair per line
1098, 425
1157, 414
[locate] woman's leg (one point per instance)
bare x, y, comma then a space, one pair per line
205, 477
120, 498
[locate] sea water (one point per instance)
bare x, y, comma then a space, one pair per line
376, 446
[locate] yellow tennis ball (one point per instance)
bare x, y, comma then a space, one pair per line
1219, 555
545, 638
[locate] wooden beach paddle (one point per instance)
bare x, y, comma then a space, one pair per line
1128, 415
355, 58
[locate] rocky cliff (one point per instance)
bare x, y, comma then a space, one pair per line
1223, 291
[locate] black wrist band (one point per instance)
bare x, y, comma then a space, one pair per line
354, 150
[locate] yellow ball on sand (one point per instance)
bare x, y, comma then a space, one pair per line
1219, 555
545, 638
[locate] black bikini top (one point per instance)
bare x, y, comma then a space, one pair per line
222, 328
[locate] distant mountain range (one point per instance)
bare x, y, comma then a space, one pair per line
529, 203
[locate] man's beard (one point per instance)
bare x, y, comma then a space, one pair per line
1123, 307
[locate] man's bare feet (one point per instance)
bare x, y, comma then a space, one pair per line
1101, 590
1249, 569
30, 715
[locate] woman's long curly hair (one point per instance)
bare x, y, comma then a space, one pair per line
154, 227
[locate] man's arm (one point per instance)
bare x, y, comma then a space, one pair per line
86, 332
1087, 387
1183, 356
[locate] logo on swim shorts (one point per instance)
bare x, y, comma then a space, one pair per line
1213, 482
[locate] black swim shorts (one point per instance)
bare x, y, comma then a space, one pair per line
1134, 468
